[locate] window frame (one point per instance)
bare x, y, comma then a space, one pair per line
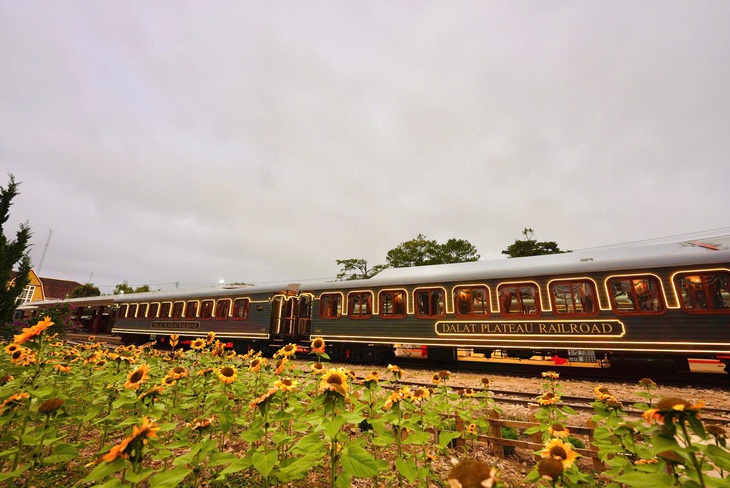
351, 305
169, 310
455, 292
132, 310
323, 298
201, 309
247, 308
571, 282
430, 290
153, 306
180, 313
518, 285
637, 308
403, 293
140, 314
123, 309
229, 310
705, 289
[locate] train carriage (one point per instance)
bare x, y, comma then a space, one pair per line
662, 301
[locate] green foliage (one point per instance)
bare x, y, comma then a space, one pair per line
510, 433
85, 290
531, 247
357, 269
124, 288
12, 253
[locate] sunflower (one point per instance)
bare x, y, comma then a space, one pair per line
205, 372
550, 468
281, 365
256, 364
120, 450
472, 473
394, 399
318, 368
485, 382
198, 344
13, 401
318, 345
466, 392
263, 400
548, 398
647, 382
168, 381
50, 406
20, 355
472, 429
286, 351
334, 380
210, 338
436, 379
152, 393
178, 372
139, 436
420, 394
137, 377
6, 379
371, 379
551, 375
11, 348
34, 331
227, 374
201, 424
145, 431
397, 372
562, 451
602, 393
286, 385
62, 368
558, 430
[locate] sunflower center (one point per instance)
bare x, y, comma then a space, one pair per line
557, 451
227, 371
136, 376
334, 380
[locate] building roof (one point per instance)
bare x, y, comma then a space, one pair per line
53, 289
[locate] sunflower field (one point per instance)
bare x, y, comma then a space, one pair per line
90, 415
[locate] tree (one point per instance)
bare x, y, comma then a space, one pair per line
357, 269
85, 290
531, 247
142, 289
12, 252
123, 288
416, 252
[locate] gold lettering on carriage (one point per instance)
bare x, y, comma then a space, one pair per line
170, 324
610, 328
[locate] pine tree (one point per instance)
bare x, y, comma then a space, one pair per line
12, 253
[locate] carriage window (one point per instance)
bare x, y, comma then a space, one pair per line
206, 309
122, 310
393, 304
704, 292
519, 299
191, 311
575, 297
142, 311
132, 310
240, 309
152, 312
221, 310
165, 310
360, 305
177, 310
330, 306
636, 295
430, 303
471, 301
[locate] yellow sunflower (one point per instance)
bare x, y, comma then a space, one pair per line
153, 392
371, 379
420, 394
168, 381
198, 344
263, 399
62, 368
334, 380
394, 399
286, 385
20, 354
227, 374
551, 375
178, 372
11, 348
137, 377
318, 368
50, 406
256, 364
560, 450
549, 398
558, 430
281, 365
210, 338
13, 401
318, 345
34, 331
286, 351
396, 371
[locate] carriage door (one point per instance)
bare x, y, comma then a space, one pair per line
283, 317
304, 316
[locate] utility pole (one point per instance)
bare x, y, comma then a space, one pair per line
43, 256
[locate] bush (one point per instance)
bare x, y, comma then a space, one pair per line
512, 434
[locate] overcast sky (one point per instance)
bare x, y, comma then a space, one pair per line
191, 142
